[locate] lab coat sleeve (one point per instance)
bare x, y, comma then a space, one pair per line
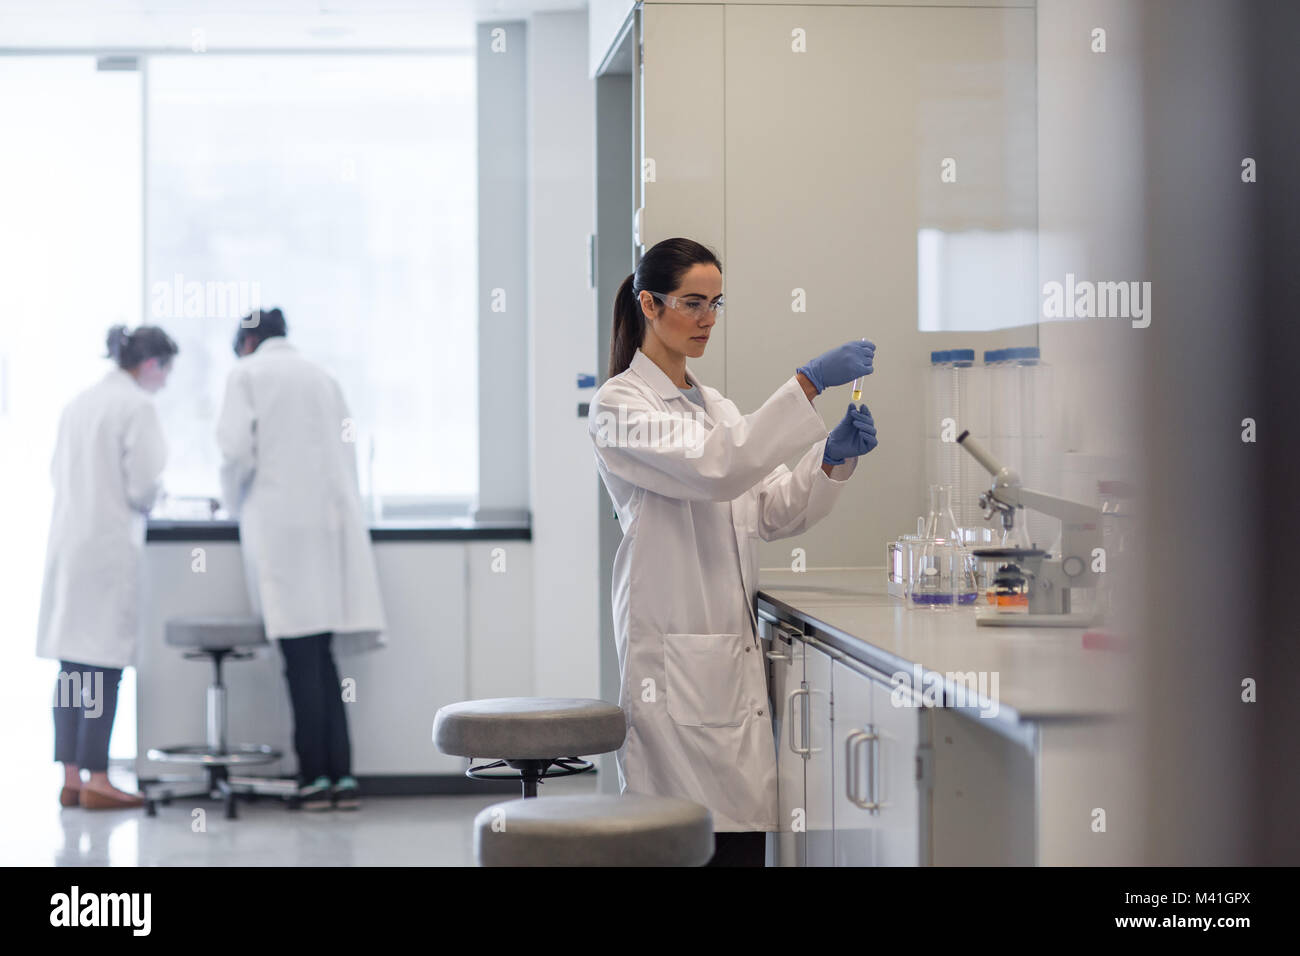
791, 502
237, 438
144, 453
676, 455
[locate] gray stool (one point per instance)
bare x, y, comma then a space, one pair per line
531, 735
216, 639
594, 830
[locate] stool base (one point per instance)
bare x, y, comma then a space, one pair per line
531, 771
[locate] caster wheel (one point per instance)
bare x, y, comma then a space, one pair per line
166, 800
231, 813
151, 809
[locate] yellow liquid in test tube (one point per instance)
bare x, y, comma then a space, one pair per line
857, 384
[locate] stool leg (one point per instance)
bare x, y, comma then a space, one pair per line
216, 710
530, 771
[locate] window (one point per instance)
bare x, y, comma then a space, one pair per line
69, 268
341, 189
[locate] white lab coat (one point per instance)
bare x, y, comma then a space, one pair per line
691, 506
108, 460
289, 472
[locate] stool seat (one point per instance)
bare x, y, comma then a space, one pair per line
631, 829
214, 633
529, 727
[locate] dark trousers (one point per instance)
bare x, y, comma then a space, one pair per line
85, 703
320, 725
742, 848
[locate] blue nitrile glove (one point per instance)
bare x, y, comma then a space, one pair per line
855, 435
840, 365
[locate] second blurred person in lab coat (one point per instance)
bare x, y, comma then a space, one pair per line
107, 468
289, 473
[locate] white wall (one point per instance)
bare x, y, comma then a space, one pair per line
562, 332
816, 171
605, 20
1090, 210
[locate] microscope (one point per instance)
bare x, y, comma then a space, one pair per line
1049, 577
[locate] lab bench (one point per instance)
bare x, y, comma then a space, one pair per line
455, 630
913, 737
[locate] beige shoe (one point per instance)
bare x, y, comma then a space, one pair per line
116, 800
70, 797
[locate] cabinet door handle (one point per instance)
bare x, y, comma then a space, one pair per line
777, 656
789, 720
851, 767
868, 736
874, 768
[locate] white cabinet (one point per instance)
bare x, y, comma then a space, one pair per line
880, 815
427, 662
855, 830
818, 769
785, 657
896, 770
849, 760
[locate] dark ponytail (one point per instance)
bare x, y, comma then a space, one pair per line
660, 270
129, 349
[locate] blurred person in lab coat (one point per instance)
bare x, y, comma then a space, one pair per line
289, 473
108, 460
695, 483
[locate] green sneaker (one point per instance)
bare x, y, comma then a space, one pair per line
315, 795
346, 794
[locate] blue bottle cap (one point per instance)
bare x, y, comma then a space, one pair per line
963, 356
939, 357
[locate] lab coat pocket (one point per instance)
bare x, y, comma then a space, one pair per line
703, 675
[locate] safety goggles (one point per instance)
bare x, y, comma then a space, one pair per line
695, 308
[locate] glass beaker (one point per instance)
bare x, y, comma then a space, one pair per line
943, 574
899, 555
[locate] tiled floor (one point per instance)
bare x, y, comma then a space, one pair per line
387, 831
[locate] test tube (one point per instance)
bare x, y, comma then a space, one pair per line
857, 384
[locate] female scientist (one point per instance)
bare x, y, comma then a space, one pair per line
694, 482
108, 459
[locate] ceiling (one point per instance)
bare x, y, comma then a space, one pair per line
256, 24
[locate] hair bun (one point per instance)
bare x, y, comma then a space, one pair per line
117, 340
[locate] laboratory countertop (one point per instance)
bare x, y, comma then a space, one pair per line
443, 529
1043, 673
